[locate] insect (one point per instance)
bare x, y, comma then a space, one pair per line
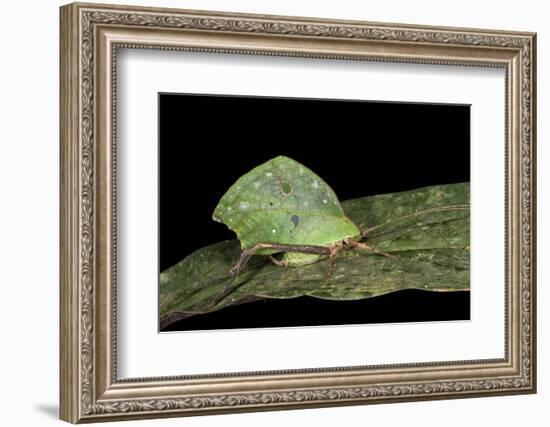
283, 210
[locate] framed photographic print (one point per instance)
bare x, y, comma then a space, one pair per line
265, 212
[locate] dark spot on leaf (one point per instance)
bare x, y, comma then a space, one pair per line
295, 220
286, 188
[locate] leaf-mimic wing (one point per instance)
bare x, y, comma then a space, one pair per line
282, 201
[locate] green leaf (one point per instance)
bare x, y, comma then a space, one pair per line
428, 228
281, 201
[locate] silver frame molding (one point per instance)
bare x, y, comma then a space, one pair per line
90, 37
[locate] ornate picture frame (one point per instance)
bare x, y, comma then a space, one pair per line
90, 37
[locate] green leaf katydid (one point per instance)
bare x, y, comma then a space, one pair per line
282, 207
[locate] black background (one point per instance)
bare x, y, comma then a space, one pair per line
359, 148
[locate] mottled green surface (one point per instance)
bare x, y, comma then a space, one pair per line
281, 201
429, 230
